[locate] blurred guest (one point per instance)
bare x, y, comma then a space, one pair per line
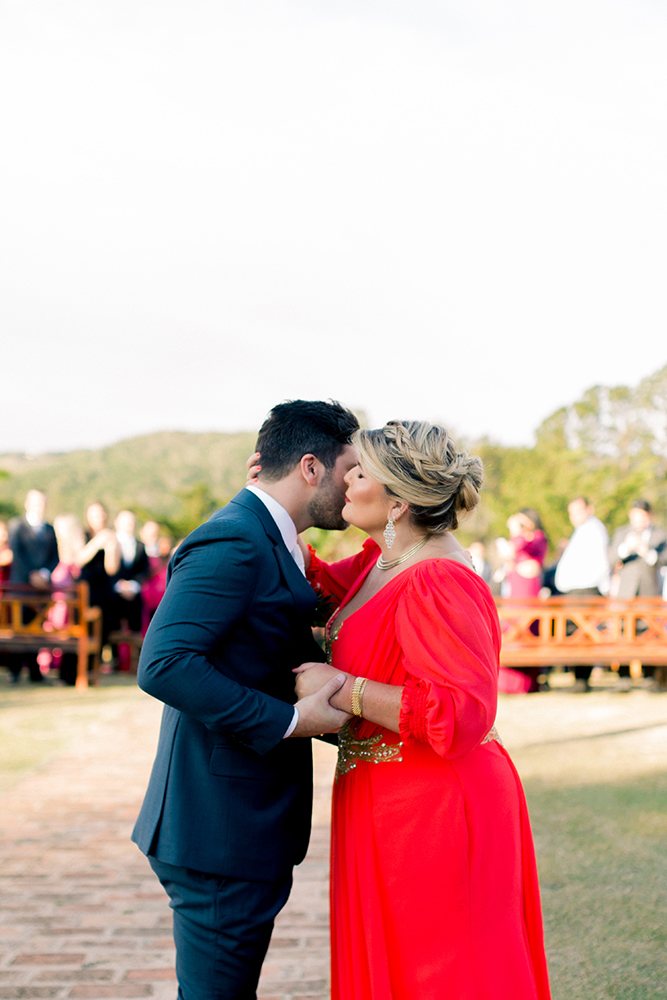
33, 544
131, 573
482, 565
504, 562
6, 554
638, 551
34, 557
99, 561
158, 550
529, 547
583, 569
549, 572
71, 542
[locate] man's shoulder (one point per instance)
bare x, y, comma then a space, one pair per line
17, 526
234, 520
595, 524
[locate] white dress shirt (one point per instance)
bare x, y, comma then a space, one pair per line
288, 532
128, 551
585, 562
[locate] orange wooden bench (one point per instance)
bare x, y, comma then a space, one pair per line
81, 635
572, 631
134, 640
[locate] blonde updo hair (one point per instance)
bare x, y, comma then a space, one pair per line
419, 464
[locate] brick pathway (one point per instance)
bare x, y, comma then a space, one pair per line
83, 916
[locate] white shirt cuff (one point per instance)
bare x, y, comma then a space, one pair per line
292, 725
651, 557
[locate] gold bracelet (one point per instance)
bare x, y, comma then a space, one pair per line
358, 696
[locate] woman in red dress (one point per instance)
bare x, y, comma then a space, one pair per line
529, 545
6, 554
434, 884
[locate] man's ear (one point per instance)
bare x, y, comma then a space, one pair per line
311, 469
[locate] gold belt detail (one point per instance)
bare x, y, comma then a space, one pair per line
351, 750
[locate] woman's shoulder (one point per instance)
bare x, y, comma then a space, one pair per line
449, 577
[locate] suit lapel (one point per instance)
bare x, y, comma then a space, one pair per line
303, 594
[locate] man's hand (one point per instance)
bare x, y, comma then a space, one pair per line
39, 580
316, 715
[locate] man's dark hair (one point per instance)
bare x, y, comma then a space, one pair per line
301, 427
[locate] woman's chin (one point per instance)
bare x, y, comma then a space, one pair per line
347, 515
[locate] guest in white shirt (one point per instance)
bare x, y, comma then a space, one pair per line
583, 569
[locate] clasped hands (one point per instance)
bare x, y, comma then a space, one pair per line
322, 701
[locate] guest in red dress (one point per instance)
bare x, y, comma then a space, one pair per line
434, 883
529, 547
158, 550
529, 543
6, 554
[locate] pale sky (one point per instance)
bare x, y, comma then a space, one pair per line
450, 210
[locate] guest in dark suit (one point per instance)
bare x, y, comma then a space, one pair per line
132, 571
34, 557
638, 551
33, 544
228, 807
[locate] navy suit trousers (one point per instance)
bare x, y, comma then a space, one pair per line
222, 930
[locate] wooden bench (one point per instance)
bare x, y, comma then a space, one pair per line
25, 625
573, 631
132, 639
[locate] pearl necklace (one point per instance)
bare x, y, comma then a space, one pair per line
383, 563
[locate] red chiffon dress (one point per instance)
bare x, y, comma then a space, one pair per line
525, 549
434, 883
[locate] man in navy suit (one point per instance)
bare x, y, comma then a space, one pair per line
34, 557
228, 807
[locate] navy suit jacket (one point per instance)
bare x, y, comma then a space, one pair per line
32, 548
228, 795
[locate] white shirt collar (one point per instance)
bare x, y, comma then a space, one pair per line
284, 522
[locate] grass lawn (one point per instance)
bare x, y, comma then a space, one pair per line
601, 853
594, 769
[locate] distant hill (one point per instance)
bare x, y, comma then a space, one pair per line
158, 475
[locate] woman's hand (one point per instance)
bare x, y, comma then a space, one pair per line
310, 677
253, 467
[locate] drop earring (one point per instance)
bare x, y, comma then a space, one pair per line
390, 532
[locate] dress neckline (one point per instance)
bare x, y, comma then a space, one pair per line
361, 579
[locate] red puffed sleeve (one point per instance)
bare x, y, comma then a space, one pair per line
335, 579
448, 631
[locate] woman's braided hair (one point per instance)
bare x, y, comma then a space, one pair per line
419, 464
